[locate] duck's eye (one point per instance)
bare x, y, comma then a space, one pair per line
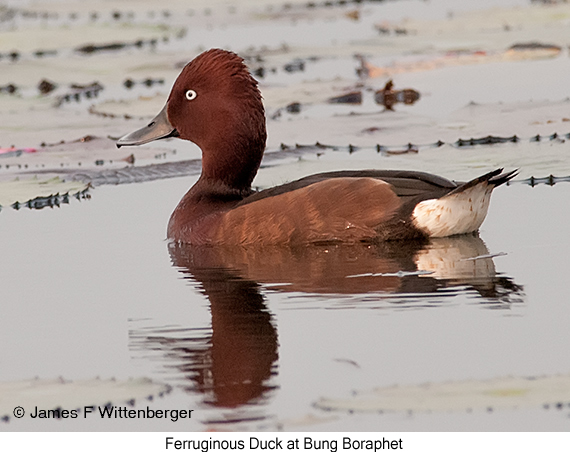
191, 94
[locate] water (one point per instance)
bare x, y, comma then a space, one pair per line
253, 339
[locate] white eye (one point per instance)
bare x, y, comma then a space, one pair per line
191, 94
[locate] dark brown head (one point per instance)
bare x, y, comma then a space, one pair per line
216, 104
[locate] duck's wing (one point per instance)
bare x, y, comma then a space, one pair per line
403, 183
333, 209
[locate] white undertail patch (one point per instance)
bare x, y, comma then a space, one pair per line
455, 213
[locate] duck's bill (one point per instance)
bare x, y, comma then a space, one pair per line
158, 128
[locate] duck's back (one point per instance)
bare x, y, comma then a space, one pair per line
404, 183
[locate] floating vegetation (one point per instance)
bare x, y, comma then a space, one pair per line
32, 395
52, 201
293, 107
78, 91
10, 88
469, 395
297, 65
133, 174
148, 82
37, 194
517, 52
389, 97
21, 51
83, 139
14, 151
548, 180
461, 142
46, 87
94, 111
534, 46
43, 53
9, 14
354, 98
93, 48
157, 171
391, 30
256, 61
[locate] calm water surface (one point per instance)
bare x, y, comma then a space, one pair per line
251, 339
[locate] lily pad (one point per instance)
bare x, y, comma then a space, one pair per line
71, 395
498, 393
22, 191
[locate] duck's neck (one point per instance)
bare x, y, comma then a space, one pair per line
207, 197
233, 162
231, 156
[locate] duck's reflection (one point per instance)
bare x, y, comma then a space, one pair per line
461, 262
238, 361
234, 363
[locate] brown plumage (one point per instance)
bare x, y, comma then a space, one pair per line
333, 210
215, 103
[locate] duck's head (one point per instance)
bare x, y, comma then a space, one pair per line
216, 104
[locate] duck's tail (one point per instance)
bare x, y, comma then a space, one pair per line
494, 178
463, 209
502, 178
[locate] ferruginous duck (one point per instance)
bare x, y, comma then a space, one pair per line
215, 103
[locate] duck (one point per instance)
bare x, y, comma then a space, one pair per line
216, 103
